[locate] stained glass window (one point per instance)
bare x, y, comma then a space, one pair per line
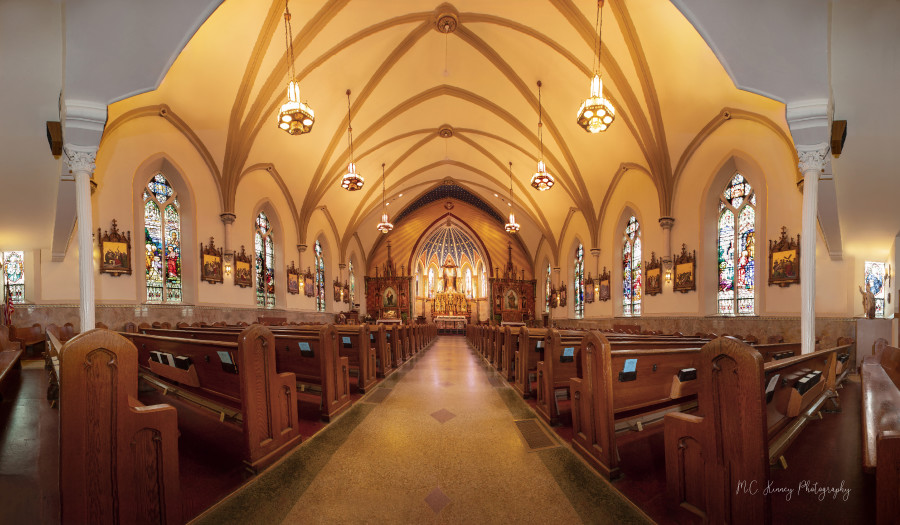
468, 282
162, 241
14, 276
430, 281
353, 284
264, 247
547, 286
320, 278
875, 280
484, 290
579, 282
737, 248
631, 269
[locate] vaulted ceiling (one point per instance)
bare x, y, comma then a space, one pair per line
669, 68
477, 83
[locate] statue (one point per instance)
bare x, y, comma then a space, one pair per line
868, 299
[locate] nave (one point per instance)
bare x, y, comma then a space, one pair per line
441, 447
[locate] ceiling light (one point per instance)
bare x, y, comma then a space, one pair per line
512, 226
351, 180
295, 117
541, 180
385, 225
596, 113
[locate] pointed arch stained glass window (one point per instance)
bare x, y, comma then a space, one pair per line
484, 290
14, 276
320, 277
737, 248
430, 282
469, 282
264, 246
631, 269
579, 282
547, 285
162, 241
875, 279
352, 284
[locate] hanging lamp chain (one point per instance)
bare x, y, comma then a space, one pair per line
289, 39
598, 27
349, 127
510, 185
540, 120
382, 187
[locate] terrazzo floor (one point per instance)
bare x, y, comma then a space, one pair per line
440, 447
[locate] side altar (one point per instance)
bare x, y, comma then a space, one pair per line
387, 294
513, 296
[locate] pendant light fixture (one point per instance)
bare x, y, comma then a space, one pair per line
541, 180
385, 225
351, 180
295, 117
512, 226
596, 113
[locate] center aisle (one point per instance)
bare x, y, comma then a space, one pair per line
440, 447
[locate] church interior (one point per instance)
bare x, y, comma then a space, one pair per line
595, 261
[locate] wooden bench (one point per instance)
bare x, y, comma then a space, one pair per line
555, 370
26, 335
880, 374
626, 380
355, 344
749, 413
10, 353
392, 336
237, 380
508, 349
311, 353
530, 351
118, 459
378, 339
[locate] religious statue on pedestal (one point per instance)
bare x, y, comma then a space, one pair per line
868, 299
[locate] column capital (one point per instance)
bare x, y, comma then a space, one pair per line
301, 248
80, 158
342, 266
595, 252
666, 223
227, 218
812, 157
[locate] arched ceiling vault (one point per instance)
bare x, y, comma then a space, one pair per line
409, 81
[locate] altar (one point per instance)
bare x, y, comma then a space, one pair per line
447, 324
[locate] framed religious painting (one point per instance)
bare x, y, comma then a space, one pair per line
562, 295
589, 289
685, 269
784, 260
242, 269
309, 287
346, 292
210, 262
510, 300
653, 269
554, 298
338, 290
293, 279
389, 298
115, 252
603, 289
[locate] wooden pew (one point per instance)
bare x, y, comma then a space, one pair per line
238, 380
355, 344
26, 335
880, 374
625, 380
530, 352
118, 459
378, 339
508, 349
311, 353
10, 353
392, 336
749, 413
555, 370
